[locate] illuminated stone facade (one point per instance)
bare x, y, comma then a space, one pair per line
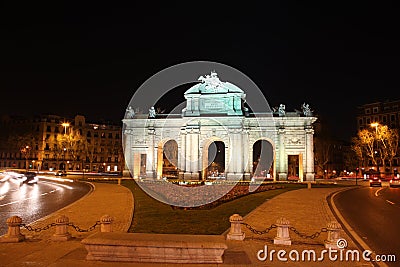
215, 113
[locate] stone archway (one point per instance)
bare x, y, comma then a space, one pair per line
214, 159
167, 159
263, 159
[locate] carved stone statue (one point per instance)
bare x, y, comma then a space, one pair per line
306, 110
281, 110
212, 82
152, 113
130, 113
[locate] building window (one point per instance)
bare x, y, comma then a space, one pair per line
375, 110
110, 135
89, 134
116, 159
367, 111
103, 135
48, 129
109, 159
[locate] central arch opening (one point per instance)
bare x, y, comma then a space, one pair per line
263, 158
170, 159
216, 160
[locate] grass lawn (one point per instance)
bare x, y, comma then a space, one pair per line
152, 216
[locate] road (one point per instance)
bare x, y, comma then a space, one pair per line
35, 201
374, 214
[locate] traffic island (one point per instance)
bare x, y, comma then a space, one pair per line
160, 248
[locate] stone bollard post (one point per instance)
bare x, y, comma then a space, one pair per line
106, 223
333, 240
13, 233
235, 233
62, 233
282, 233
308, 185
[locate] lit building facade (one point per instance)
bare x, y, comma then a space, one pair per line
100, 148
384, 113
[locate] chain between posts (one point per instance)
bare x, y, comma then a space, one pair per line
91, 228
257, 231
302, 235
77, 228
30, 228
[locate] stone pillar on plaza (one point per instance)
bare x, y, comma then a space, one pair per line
61, 233
282, 232
235, 233
13, 232
106, 223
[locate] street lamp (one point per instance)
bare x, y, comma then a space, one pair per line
375, 124
65, 125
65, 164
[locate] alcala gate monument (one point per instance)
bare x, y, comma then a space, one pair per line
217, 137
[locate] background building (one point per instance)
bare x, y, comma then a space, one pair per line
52, 142
383, 113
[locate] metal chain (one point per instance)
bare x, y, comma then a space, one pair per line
314, 235
30, 228
258, 231
91, 228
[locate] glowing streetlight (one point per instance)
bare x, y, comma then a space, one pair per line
65, 125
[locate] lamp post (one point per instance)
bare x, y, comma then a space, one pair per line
65, 125
375, 124
65, 164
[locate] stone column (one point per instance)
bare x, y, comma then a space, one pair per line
282, 175
239, 151
247, 156
182, 154
309, 168
188, 153
195, 153
150, 171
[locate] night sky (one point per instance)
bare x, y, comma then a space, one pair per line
89, 59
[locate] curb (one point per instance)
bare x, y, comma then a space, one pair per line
350, 231
92, 188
